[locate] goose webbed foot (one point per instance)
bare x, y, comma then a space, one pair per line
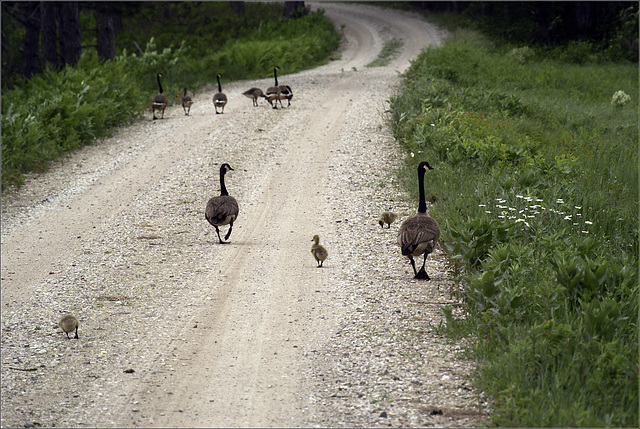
422, 274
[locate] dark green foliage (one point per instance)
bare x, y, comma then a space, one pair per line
536, 173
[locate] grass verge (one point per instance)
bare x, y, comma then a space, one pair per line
536, 183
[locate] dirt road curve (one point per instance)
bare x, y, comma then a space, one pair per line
178, 330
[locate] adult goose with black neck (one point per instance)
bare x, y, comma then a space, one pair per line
419, 234
223, 209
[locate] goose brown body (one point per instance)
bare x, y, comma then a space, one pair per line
159, 101
419, 234
186, 102
223, 209
254, 93
69, 323
318, 251
273, 93
219, 98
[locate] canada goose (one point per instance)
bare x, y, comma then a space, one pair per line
69, 323
274, 93
388, 218
254, 93
219, 99
419, 234
159, 101
318, 251
222, 210
285, 90
186, 102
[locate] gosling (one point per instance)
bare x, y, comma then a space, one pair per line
318, 251
388, 218
69, 323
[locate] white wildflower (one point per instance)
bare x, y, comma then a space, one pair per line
620, 98
588, 222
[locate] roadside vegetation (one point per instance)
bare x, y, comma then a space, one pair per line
58, 111
535, 186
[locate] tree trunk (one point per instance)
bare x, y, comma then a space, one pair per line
70, 42
49, 29
584, 18
105, 35
294, 9
237, 7
31, 41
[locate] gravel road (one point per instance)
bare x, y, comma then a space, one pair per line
177, 330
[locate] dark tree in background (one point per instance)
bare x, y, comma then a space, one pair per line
27, 14
49, 33
59, 25
237, 7
547, 22
69, 32
294, 9
106, 18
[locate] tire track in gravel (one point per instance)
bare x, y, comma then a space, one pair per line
253, 358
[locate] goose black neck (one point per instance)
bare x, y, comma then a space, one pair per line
159, 84
185, 92
275, 75
422, 206
223, 189
219, 86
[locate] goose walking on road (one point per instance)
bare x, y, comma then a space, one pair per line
186, 102
318, 251
223, 209
419, 234
388, 218
69, 323
274, 93
254, 93
219, 98
159, 101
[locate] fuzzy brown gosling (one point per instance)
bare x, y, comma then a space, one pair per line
388, 218
318, 251
419, 234
69, 323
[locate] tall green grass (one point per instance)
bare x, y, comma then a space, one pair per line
536, 187
59, 111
